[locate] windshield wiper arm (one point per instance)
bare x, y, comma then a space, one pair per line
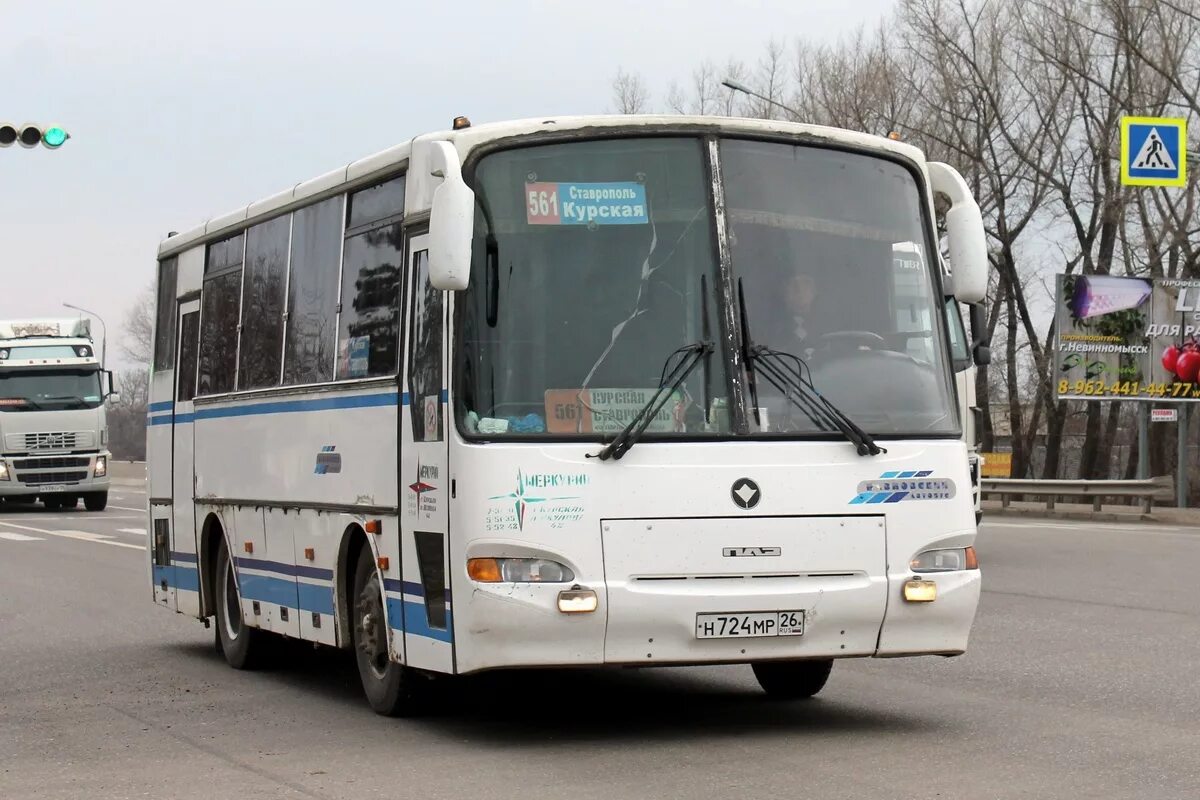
792, 383
74, 397
795, 388
692, 356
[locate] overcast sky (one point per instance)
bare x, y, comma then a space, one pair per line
181, 112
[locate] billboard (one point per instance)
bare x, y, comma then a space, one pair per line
1127, 338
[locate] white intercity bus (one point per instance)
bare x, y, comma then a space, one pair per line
573, 391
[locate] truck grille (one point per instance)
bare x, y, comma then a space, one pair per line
56, 440
51, 477
50, 462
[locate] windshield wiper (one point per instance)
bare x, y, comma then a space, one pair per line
74, 397
692, 356
800, 391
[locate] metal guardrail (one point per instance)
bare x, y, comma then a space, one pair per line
1148, 490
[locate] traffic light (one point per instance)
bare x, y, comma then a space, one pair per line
29, 135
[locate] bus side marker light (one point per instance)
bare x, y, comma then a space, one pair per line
374, 526
383, 562
310, 553
248, 547
577, 601
919, 591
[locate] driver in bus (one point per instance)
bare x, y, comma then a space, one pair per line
799, 296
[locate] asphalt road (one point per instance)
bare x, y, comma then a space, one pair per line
1080, 682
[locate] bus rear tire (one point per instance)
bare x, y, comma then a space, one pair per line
392, 689
241, 645
792, 680
95, 501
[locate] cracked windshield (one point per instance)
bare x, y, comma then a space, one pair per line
589, 264
828, 247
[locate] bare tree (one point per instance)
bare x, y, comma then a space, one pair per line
137, 334
629, 93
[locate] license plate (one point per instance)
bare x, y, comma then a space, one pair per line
53, 487
734, 624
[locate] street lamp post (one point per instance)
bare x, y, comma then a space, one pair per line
741, 87
103, 333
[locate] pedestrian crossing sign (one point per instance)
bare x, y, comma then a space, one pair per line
1153, 151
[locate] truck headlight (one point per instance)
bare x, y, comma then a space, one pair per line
518, 570
3, 470
101, 467
949, 560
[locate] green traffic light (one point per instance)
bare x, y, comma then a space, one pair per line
54, 137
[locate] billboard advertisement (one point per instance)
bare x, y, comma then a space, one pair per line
1127, 338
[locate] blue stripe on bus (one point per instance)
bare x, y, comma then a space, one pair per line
286, 407
408, 587
187, 558
185, 578
300, 570
315, 598
415, 621
167, 406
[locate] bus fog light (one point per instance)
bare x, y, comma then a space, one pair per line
101, 467
919, 591
577, 601
3, 470
518, 570
948, 560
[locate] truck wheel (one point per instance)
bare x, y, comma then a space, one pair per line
392, 689
241, 645
95, 501
53, 503
792, 680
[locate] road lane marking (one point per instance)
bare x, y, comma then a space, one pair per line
136, 531
125, 508
85, 536
19, 537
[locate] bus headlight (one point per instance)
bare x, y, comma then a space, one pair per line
518, 570
950, 560
3, 470
101, 467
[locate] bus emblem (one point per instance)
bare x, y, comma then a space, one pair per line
745, 493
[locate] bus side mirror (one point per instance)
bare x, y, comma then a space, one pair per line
964, 230
451, 222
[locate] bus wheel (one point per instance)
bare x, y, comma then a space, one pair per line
392, 689
241, 645
792, 680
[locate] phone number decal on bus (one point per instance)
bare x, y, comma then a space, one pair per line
620, 203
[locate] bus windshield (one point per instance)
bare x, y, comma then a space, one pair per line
45, 390
594, 261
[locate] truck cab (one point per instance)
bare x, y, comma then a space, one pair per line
53, 432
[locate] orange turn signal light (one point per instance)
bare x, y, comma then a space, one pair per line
972, 560
310, 553
374, 526
248, 547
383, 562
484, 570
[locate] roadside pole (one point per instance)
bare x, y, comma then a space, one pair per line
1181, 460
1143, 423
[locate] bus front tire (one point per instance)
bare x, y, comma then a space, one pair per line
95, 501
792, 680
241, 645
392, 689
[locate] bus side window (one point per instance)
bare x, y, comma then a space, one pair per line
189, 341
425, 354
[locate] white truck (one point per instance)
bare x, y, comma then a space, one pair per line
53, 433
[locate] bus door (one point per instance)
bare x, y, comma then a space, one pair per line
175, 544
424, 474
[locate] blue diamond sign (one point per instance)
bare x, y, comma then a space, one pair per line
1153, 151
